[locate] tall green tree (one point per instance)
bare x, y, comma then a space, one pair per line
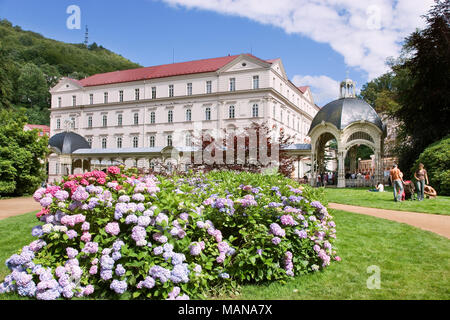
415, 92
22, 154
424, 100
32, 86
5, 82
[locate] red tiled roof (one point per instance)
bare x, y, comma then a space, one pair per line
166, 70
303, 88
39, 126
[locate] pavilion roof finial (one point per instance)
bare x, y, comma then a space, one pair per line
347, 88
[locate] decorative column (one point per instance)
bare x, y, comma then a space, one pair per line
378, 170
313, 168
341, 170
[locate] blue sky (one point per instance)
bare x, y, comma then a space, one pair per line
305, 37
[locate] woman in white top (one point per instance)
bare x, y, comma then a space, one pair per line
379, 188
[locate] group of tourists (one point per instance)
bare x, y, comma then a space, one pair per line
359, 175
326, 178
405, 189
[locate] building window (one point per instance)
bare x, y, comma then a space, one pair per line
153, 92
135, 142
121, 96
72, 123
152, 141
170, 90
58, 123
119, 119
170, 116
136, 118
152, 117
231, 112
59, 102
208, 113
188, 115
57, 168
189, 89
105, 97
169, 140
255, 82
281, 116
119, 142
208, 87
90, 122
288, 121
105, 120
74, 100
255, 110
89, 141
136, 94
273, 111
188, 140
232, 84
104, 141
91, 98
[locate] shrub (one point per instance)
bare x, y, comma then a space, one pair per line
436, 159
116, 234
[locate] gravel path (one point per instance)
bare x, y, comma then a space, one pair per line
17, 206
436, 223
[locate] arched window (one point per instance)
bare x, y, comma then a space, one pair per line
188, 115
255, 110
152, 141
104, 141
360, 135
231, 112
152, 117
188, 140
135, 142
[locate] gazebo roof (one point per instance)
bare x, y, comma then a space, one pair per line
345, 111
67, 142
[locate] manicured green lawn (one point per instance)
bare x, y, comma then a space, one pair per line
15, 232
414, 264
385, 200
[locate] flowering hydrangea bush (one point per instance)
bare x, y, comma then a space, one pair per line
116, 234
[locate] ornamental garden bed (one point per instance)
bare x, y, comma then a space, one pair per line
120, 235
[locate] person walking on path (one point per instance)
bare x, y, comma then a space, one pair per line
396, 178
421, 175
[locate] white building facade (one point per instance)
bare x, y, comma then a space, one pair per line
162, 106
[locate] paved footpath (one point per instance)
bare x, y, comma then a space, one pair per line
17, 206
436, 223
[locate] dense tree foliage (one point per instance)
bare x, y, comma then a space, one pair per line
31, 64
436, 159
22, 154
415, 92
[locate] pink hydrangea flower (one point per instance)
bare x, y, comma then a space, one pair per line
112, 228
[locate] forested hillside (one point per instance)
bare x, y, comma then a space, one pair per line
30, 64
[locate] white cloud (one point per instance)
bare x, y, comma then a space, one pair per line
323, 88
365, 33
